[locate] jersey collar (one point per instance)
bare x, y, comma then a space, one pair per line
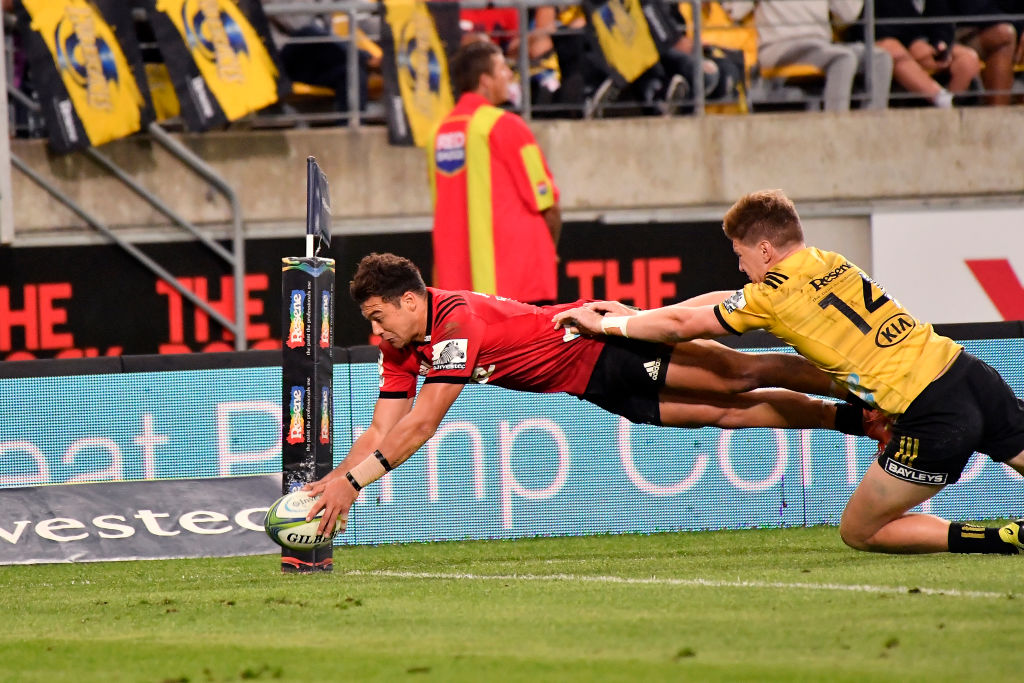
472, 101
430, 320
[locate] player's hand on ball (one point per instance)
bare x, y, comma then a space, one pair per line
580, 320
336, 498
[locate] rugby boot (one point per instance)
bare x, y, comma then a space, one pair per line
1011, 533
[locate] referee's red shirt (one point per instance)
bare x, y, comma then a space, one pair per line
490, 183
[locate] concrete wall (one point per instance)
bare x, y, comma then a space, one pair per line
683, 166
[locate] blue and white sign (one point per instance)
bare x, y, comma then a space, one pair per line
503, 464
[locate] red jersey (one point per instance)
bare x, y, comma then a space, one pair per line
476, 338
490, 184
501, 23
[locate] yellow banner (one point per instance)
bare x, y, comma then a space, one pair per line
161, 91
422, 67
228, 52
625, 37
92, 66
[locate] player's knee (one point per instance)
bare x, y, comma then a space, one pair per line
852, 540
854, 536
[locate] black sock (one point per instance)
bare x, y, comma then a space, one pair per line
849, 419
971, 538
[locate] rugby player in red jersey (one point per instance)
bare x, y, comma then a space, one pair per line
455, 338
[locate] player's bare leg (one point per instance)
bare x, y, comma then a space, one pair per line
876, 517
706, 365
1017, 463
761, 408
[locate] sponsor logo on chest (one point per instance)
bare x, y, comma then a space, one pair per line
450, 354
894, 330
450, 152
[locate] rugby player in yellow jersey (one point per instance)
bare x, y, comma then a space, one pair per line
945, 403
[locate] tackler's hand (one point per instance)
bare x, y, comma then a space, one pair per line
579, 320
611, 308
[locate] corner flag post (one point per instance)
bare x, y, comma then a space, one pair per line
307, 367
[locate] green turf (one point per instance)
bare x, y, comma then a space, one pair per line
241, 619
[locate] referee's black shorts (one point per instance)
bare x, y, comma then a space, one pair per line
970, 408
628, 377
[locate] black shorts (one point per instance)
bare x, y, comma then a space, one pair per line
968, 409
628, 377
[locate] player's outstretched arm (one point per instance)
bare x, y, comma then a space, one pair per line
706, 299
406, 436
386, 414
611, 308
669, 325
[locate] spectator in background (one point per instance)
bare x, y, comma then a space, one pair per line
500, 24
724, 62
1015, 7
545, 65
311, 53
496, 214
580, 64
800, 32
922, 50
994, 40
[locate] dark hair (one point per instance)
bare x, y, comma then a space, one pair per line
387, 276
766, 214
472, 61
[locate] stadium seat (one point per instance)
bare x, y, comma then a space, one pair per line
304, 90
791, 84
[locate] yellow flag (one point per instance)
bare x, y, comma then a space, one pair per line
228, 52
625, 37
92, 66
421, 65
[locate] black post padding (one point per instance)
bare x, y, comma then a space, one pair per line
307, 454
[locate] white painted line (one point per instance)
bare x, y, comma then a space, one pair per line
708, 583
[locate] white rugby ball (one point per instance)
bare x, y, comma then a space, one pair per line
285, 523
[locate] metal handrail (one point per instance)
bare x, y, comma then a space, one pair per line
352, 7
190, 159
134, 251
236, 257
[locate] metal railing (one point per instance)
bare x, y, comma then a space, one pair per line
235, 258
357, 11
353, 9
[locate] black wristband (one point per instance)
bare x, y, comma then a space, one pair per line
849, 419
383, 461
352, 480
857, 401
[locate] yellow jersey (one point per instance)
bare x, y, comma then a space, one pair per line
835, 316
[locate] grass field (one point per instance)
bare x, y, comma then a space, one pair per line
780, 605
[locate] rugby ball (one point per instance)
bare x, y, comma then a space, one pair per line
286, 523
